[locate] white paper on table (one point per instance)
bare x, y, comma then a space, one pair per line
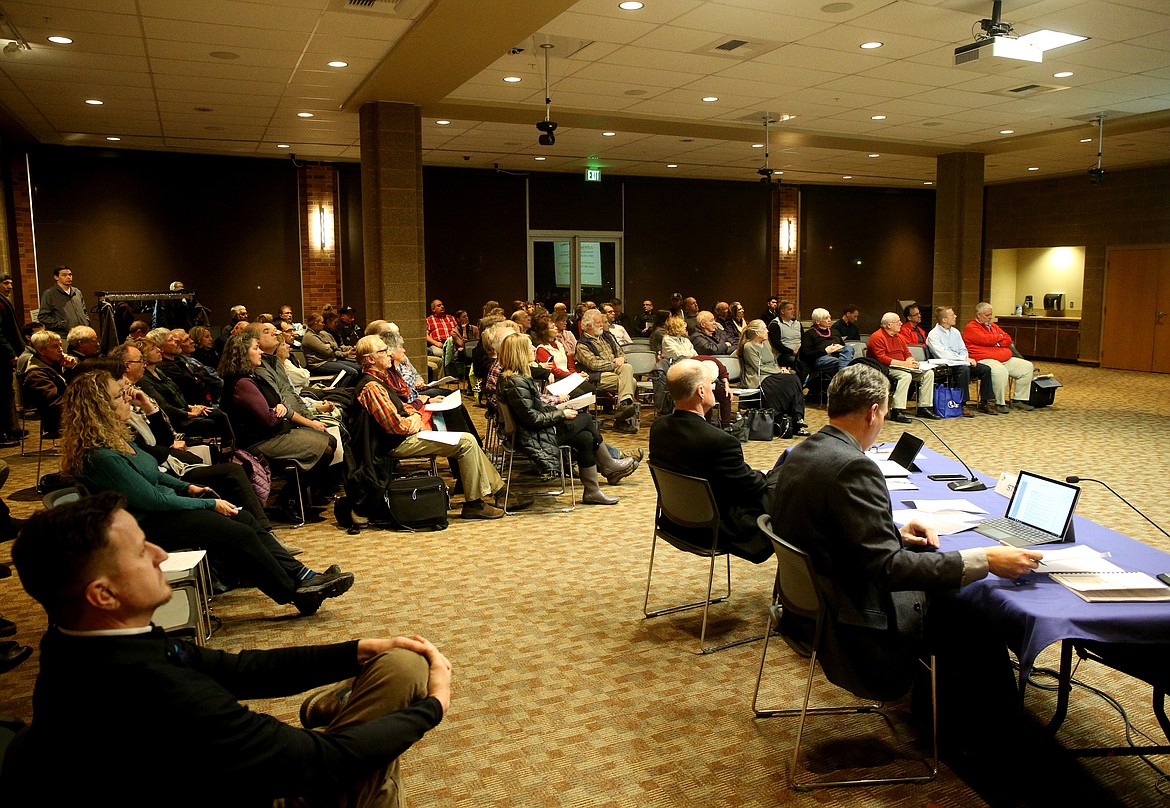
562, 387
452, 401
1080, 558
900, 484
944, 522
938, 505
449, 438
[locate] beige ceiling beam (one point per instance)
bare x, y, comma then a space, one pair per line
1114, 127
451, 43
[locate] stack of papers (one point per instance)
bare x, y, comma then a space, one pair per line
451, 401
1079, 558
946, 516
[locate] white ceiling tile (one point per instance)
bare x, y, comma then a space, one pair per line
363, 26
199, 52
747, 23
602, 29
1115, 56
802, 56
233, 12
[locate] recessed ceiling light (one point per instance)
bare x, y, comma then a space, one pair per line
672, 165
513, 79
757, 145
337, 63
1086, 140
61, 40
304, 115
1063, 74
115, 139
282, 145
223, 55
871, 45
1033, 168
539, 158
777, 172
443, 122
1007, 131
609, 134
93, 102
847, 177
630, 5
877, 117
837, 8
875, 155
710, 98
928, 183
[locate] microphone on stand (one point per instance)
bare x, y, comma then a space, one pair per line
1075, 479
971, 484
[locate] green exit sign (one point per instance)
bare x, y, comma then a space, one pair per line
593, 175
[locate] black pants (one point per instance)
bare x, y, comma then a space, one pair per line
235, 541
581, 433
782, 393
231, 482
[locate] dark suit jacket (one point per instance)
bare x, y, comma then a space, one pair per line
685, 443
832, 502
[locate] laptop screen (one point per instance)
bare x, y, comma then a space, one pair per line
1043, 503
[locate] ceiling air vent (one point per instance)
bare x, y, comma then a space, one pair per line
1029, 90
404, 9
736, 48
731, 45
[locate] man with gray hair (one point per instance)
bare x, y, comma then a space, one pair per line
832, 502
599, 355
991, 346
82, 342
886, 346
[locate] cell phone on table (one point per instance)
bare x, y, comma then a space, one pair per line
945, 477
1164, 577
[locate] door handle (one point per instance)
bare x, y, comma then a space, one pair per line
1158, 317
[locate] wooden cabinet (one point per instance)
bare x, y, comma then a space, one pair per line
1044, 337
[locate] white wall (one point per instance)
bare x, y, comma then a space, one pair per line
1037, 271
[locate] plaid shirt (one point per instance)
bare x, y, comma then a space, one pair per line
388, 410
439, 328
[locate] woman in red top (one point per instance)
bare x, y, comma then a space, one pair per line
552, 354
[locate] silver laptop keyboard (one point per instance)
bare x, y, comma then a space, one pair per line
1020, 530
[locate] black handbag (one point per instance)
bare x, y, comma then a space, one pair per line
418, 502
761, 424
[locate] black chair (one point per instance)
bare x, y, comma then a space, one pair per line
688, 503
509, 446
798, 592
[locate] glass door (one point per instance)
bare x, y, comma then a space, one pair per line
567, 267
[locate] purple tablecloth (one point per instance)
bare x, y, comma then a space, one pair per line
1036, 611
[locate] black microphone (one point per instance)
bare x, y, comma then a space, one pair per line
1075, 479
972, 484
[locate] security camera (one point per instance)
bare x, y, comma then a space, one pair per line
547, 127
516, 51
1096, 176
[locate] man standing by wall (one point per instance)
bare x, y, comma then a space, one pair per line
62, 307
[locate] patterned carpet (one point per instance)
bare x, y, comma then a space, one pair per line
566, 696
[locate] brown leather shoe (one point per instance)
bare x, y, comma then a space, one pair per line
988, 408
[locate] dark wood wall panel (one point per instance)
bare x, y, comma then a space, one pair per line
124, 220
866, 246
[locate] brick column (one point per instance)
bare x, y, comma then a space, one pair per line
320, 256
392, 220
785, 238
958, 233
23, 247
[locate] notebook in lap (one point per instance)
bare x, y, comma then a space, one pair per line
1039, 512
901, 460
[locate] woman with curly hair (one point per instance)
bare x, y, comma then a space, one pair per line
96, 449
543, 427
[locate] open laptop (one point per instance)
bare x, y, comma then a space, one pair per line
1039, 512
901, 460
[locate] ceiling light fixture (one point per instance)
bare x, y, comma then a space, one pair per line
1033, 168
757, 145
630, 5
282, 145
871, 45
877, 117
539, 158
847, 177
304, 115
443, 122
672, 165
1086, 140
928, 183
513, 79
93, 102
113, 139
1007, 131
609, 134
710, 98
337, 63
1063, 74
60, 40
875, 155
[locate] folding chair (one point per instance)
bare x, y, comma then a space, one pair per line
508, 448
798, 592
688, 503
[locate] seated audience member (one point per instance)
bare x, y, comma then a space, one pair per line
26, 332
98, 578
322, 352
658, 329
399, 425
685, 443
734, 322
271, 370
620, 316
614, 327
285, 315
95, 448
644, 322
890, 589
483, 354
440, 326
676, 305
677, 345
708, 338
821, 348
190, 418
886, 346
44, 380
690, 313
82, 342
348, 330
846, 327
192, 386
990, 345
138, 329
552, 353
771, 310
464, 328
543, 428
263, 423
523, 320
912, 332
205, 374
785, 335
599, 355
945, 342
779, 386
238, 319
566, 338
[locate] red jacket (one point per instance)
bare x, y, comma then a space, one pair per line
987, 341
913, 335
884, 348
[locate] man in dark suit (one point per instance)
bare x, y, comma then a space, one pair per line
685, 443
832, 502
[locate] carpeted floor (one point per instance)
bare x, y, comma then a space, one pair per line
565, 695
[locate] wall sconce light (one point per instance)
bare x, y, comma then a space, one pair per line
321, 225
787, 237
